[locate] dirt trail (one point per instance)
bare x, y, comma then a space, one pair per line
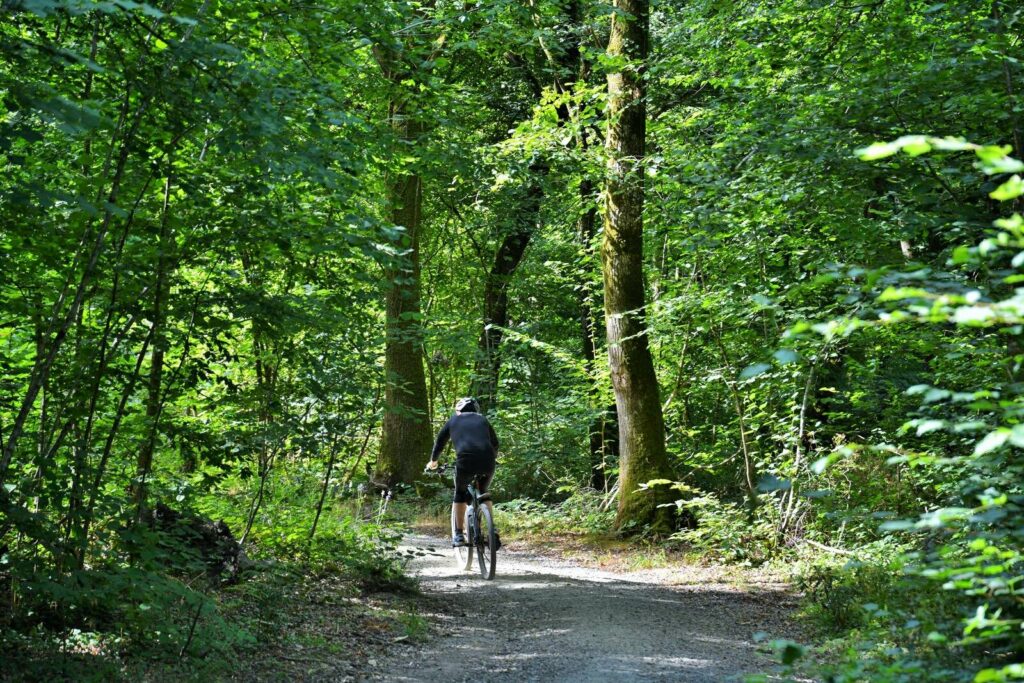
549, 620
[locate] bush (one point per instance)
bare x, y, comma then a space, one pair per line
584, 511
726, 530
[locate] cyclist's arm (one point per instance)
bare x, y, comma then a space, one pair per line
440, 442
494, 437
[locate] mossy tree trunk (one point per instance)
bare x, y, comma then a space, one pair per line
642, 455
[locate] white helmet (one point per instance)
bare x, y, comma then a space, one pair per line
467, 405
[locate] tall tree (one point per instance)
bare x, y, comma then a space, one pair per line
406, 429
405, 438
550, 62
642, 455
506, 260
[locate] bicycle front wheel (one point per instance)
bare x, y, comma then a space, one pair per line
486, 542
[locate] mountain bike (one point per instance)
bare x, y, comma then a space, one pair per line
481, 534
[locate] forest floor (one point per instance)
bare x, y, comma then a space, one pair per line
548, 617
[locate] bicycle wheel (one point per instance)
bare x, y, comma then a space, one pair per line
486, 543
463, 553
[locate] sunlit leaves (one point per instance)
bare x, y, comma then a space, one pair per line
1011, 189
916, 145
992, 441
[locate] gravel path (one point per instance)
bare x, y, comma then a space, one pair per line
548, 620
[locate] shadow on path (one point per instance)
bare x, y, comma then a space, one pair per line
545, 621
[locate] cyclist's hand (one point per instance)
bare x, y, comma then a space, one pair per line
432, 465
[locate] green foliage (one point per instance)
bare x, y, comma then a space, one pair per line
184, 270
583, 511
83, 625
845, 596
416, 627
726, 530
970, 554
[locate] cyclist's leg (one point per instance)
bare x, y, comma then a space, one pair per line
460, 498
484, 480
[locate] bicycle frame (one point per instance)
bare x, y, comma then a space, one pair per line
479, 528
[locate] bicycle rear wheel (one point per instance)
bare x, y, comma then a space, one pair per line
463, 553
486, 542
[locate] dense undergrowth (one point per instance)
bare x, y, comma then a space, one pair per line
155, 604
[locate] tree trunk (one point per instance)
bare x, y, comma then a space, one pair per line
506, 260
642, 455
144, 461
406, 438
586, 230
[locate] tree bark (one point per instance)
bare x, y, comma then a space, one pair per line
406, 437
642, 455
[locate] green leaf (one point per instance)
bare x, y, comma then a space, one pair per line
917, 147
770, 482
1011, 189
1010, 672
901, 293
928, 426
821, 464
992, 441
973, 316
992, 153
897, 525
948, 144
788, 651
1003, 165
877, 150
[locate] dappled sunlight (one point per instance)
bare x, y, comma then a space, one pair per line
555, 621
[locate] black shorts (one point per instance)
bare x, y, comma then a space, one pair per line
464, 474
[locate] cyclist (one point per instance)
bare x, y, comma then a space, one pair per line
476, 448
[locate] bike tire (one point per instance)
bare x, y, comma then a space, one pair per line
486, 543
463, 553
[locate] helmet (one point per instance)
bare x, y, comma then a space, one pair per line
467, 405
